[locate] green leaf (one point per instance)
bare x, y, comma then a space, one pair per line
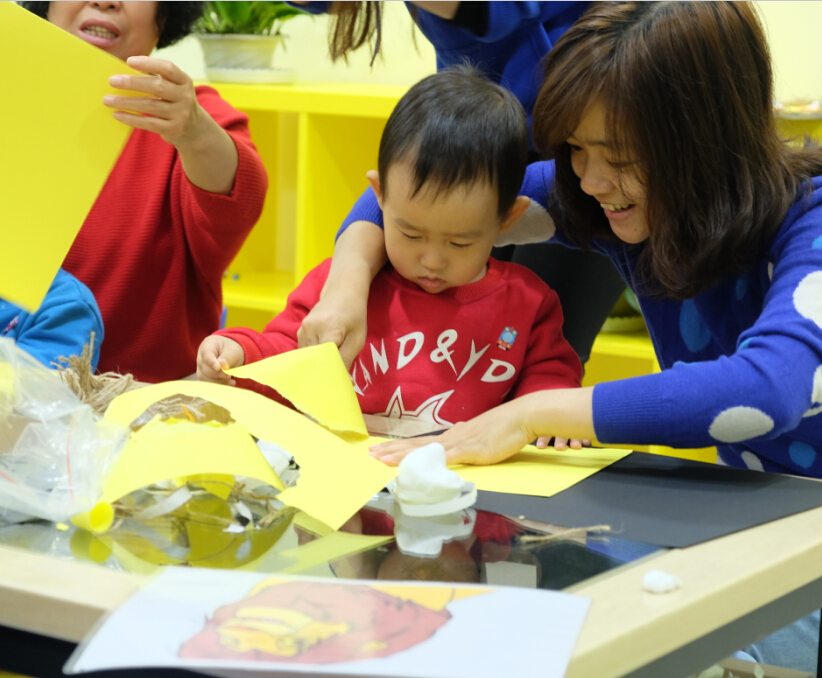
251, 18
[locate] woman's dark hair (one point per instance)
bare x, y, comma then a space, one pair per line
352, 25
174, 19
687, 90
457, 128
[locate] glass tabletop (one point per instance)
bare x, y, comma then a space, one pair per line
470, 546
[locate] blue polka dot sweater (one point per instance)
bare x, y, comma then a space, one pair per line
741, 363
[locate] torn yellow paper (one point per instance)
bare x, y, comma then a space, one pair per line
336, 478
60, 142
315, 380
540, 472
162, 451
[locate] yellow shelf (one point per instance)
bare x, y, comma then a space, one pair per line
348, 99
258, 291
628, 345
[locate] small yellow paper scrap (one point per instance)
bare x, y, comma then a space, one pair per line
315, 380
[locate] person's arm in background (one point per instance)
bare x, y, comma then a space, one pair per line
207, 152
63, 324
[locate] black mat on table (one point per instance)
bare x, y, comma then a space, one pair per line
666, 501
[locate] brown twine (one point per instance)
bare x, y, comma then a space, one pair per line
95, 390
538, 540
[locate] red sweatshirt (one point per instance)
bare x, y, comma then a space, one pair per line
154, 248
440, 358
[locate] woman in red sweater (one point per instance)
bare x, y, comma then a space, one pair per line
181, 199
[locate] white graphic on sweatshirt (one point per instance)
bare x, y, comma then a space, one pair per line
429, 410
410, 347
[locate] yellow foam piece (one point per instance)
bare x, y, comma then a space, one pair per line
63, 146
316, 381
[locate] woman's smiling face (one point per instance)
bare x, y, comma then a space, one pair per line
123, 29
615, 186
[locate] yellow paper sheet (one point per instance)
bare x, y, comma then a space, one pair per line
540, 472
59, 144
315, 380
336, 478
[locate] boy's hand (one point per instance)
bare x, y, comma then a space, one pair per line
562, 443
216, 353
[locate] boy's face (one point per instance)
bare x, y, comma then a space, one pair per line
437, 243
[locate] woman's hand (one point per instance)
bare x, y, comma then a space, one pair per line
561, 444
215, 354
503, 431
341, 313
171, 110
339, 316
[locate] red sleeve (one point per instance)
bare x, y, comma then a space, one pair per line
550, 361
280, 335
217, 225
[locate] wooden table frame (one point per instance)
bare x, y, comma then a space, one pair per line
736, 589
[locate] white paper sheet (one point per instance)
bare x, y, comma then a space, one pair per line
403, 629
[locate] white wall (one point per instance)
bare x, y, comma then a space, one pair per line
793, 30
402, 62
793, 33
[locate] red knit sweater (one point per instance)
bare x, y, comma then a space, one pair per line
440, 358
154, 248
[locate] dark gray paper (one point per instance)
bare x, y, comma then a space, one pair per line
666, 501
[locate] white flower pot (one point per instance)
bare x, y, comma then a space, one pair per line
222, 51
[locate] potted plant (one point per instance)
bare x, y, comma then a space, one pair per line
238, 39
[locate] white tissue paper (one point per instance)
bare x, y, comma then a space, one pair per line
425, 486
657, 581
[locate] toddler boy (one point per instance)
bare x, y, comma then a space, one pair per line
451, 332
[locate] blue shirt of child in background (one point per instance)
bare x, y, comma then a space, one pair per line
61, 327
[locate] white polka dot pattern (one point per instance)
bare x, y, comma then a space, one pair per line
740, 423
807, 297
752, 461
816, 394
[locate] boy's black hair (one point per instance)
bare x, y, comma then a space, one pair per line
455, 128
174, 19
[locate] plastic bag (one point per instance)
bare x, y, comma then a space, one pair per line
55, 454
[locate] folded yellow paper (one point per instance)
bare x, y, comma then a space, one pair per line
316, 381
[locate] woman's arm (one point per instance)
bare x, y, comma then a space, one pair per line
340, 314
503, 431
207, 152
